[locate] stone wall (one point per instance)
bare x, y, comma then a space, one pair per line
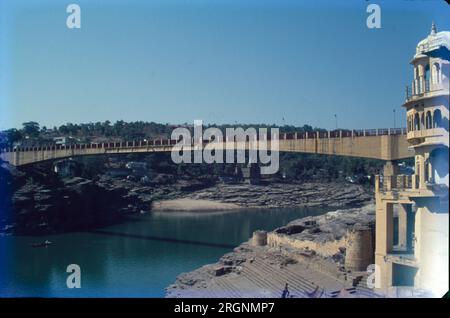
324, 249
358, 244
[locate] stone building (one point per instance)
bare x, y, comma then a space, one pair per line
66, 168
251, 173
419, 259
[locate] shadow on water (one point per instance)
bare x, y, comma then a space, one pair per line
162, 239
137, 258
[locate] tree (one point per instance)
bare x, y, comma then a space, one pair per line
31, 128
63, 129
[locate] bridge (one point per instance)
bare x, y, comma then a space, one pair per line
384, 144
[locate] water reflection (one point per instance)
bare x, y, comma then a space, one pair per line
138, 258
161, 239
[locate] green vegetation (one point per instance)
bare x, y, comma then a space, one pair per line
33, 134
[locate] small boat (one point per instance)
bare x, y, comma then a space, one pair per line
42, 244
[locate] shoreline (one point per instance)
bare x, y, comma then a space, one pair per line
192, 205
37, 204
227, 197
312, 261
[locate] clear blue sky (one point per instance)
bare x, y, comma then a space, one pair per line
250, 61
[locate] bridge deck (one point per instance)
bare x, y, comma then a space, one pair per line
376, 144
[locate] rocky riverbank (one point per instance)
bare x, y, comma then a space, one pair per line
279, 195
273, 195
37, 201
262, 271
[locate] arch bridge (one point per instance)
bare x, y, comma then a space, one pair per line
385, 144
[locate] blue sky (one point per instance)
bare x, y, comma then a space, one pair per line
221, 61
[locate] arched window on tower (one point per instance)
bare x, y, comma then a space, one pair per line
427, 78
436, 74
437, 118
429, 121
422, 121
416, 122
419, 88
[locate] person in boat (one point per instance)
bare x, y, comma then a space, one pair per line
42, 244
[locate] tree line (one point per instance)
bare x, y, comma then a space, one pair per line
32, 133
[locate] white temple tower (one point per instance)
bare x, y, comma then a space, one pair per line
419, 259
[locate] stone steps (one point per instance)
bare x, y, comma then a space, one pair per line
277, 282
287, 277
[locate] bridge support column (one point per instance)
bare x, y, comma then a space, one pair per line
405, 226
377, 183
384, 238
422, 171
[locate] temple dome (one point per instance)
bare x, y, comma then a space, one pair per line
434, 41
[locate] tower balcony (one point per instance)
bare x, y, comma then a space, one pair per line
421, 88
438, 134
407, 187
395, 183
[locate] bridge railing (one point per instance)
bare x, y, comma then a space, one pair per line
169, 142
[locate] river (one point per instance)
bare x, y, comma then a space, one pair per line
137, 258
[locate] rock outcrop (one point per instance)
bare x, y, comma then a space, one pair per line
326, 232
40, 203
333, 195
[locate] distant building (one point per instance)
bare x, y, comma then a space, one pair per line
60, 140
252, 174
64, 141
66, 168
234, 177
135, 165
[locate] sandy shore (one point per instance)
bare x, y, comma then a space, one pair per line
192, 205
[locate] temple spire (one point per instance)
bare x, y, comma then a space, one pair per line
433, 28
